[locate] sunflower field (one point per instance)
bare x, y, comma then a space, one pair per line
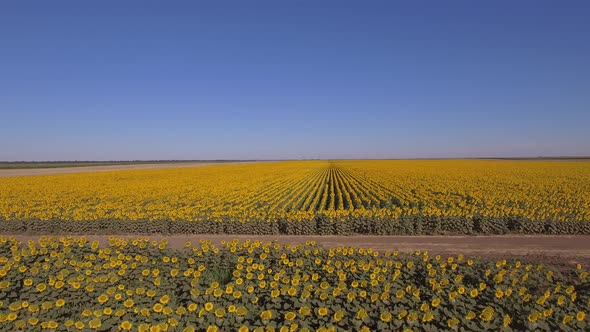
308, 197
70, 284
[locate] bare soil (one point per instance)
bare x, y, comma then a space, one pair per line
86, 169
537, 248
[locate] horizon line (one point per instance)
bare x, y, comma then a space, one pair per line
283, 159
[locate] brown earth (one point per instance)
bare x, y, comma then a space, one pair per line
553, 249
86, 169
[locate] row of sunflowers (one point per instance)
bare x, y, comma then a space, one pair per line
70, 284
309, 197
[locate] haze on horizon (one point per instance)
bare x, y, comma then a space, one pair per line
147, 80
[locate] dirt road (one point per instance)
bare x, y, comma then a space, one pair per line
563, 249
85, 169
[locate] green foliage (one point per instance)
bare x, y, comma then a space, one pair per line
321, 225
141, 284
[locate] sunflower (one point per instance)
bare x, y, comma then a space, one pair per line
95, 323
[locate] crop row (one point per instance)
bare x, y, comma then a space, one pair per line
70, 284
380, 197
321, 225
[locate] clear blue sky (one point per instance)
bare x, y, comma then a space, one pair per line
108, 80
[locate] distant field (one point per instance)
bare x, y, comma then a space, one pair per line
546, 158
309, 197
19, 172
59, 164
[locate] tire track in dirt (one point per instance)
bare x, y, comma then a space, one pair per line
555, 249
